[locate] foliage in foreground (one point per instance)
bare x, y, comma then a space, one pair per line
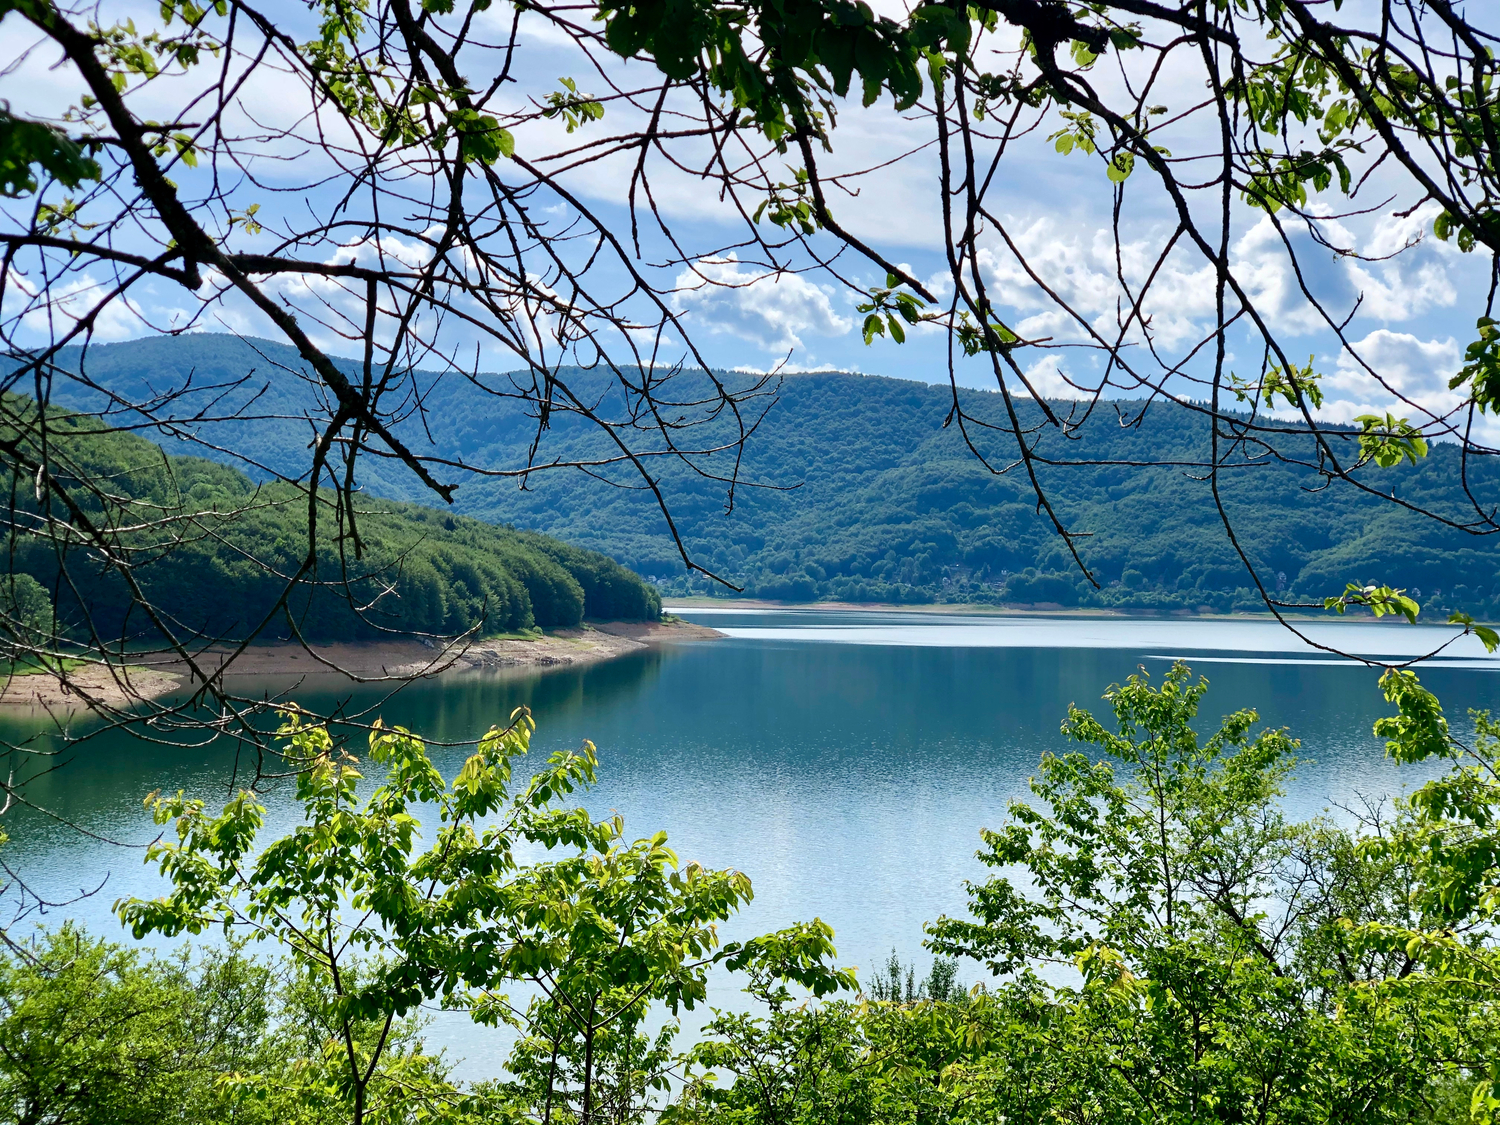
1169, 947
385, 921
92, 1033
1166, 946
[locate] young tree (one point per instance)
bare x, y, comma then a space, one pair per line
1216, 941
1170, 948
1447, 947
382, 920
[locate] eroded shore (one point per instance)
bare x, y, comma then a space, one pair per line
367, 660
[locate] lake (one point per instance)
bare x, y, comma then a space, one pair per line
845, 760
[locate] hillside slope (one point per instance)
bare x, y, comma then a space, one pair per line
876, 500
213, 552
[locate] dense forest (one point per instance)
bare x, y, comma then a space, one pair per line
213, 551
869, 497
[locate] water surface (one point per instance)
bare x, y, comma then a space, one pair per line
845, 760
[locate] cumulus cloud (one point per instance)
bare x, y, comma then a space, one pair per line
1048, 378
774, 311
1398, 275
1412, 272
65, 303
1376, 373
1399, 272
1397, 294
1080, 267
1276, 285
1393, 233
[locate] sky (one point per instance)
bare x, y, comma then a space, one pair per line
1410, 311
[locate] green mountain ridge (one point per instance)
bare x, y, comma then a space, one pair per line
874, 499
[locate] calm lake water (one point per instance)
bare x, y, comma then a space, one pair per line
845, 760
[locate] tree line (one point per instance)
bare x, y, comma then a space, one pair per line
214, 552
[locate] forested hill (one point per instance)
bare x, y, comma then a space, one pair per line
878, 501
211, 551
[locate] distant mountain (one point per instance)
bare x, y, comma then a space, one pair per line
876, 499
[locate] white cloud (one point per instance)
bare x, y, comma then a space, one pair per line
1399, 274
1079, 265
1404, 368
1083, 267
1398, 294
1048, 379
1279, 287
1392, 234
774, 311
65, 303
1412, 272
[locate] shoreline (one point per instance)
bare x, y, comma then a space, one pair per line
356, 661
984, 609
963, 609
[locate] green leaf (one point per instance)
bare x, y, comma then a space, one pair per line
26, 143
1487, 636
1082, 54
1418, 730
1295, 386
1380, 600
1482, 371
481, 138
1389, 440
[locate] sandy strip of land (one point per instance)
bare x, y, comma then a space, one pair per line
375, 660
111, 686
